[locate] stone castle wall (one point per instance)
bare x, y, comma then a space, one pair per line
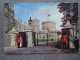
49, 25
34, 23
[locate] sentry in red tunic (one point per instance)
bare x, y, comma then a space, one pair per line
18, 40
64, 39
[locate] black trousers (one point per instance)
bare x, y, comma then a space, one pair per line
18, 45
64, 46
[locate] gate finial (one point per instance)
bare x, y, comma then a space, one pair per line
30, 18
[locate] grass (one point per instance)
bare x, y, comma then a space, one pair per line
45, 40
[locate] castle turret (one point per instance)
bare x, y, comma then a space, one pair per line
34, 24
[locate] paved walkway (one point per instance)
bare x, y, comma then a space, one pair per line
36, 49
6, 49
41, 48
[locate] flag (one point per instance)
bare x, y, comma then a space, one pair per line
49, 15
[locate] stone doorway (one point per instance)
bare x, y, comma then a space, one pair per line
24, 39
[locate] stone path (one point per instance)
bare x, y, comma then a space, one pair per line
41, 48
36, 49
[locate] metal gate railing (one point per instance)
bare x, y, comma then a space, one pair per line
40, 38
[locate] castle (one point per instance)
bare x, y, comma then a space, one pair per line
47, 27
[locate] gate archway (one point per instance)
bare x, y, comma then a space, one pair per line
24, 38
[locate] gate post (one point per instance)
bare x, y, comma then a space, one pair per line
47, 39
37, 39
11, 38
29, 37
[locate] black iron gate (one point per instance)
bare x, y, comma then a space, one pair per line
43, 39
34, 42
48, 39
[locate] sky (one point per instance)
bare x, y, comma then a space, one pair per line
38, 11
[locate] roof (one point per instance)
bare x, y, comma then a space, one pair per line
35, 19
48, 21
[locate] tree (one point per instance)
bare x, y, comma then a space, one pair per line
70, 12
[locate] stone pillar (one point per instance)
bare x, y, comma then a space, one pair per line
7, 40
29, 37
12, 39
12, 36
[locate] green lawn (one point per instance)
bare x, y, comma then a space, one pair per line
44, 40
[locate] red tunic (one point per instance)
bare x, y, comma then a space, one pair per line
64, 39
18, 40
